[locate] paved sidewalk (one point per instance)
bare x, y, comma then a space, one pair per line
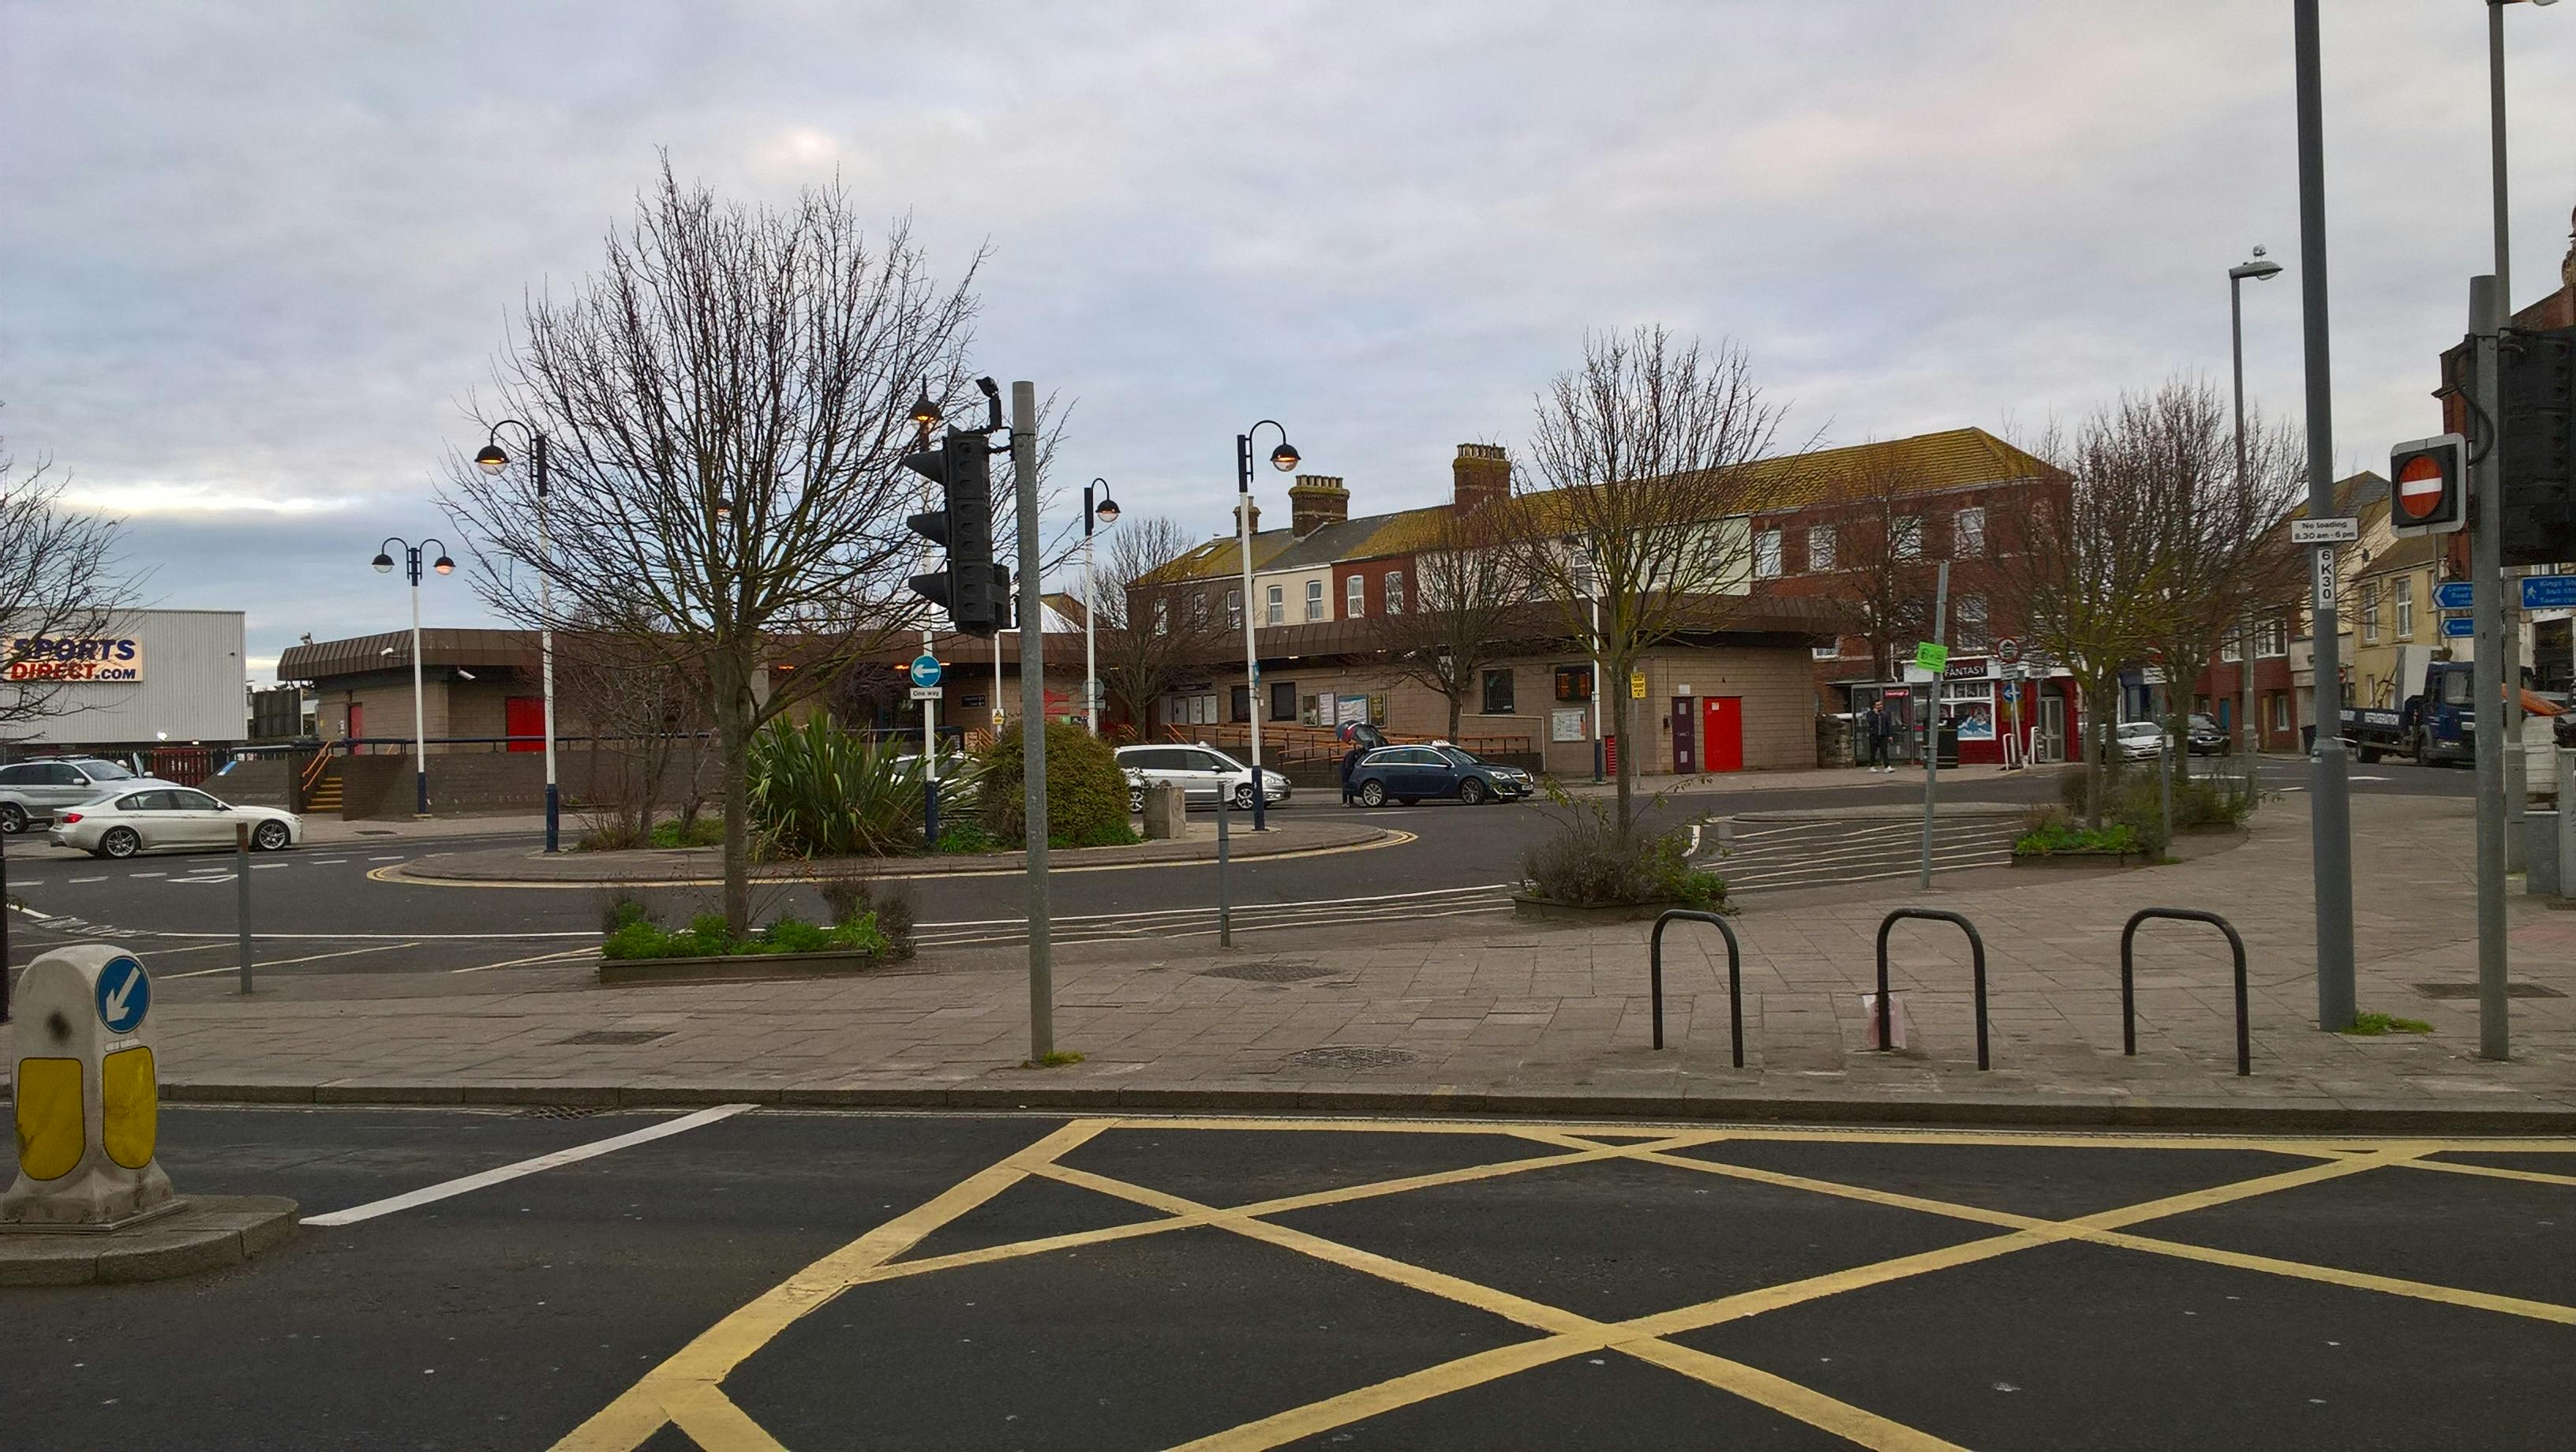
1479, 1014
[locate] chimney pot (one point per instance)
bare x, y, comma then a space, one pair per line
1316, 500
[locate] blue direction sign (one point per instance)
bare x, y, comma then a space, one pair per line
2549, 592
925, 670
2458, 627
124, 995
2454, 595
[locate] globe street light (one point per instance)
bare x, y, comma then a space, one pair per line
492, 459
1103, 509
1283, 459
384, 563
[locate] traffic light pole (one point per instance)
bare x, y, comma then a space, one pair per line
2330, 802
1024, 479
2486, 600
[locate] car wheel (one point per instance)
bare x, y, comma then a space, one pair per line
1243, 797
1136, 801
13, 818
270, 836
1472, 792
1373, 794
119, 842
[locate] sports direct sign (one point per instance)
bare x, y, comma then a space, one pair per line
71, 658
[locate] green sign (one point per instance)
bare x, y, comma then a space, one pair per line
1933, 658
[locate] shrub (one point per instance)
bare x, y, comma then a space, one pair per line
966, 834
1583, 862
2062, 836
1086, 792
2213, 802
694, 832
820, 791
705, 937
851, 898
621, 909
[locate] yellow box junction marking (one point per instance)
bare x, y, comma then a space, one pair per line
686, 1390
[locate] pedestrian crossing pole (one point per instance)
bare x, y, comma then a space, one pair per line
1932, 720
1024, 474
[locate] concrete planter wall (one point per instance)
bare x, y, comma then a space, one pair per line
736, 966
1549, 910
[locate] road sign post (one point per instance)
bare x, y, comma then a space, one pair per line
1933, 656
2486, 548
1024, 477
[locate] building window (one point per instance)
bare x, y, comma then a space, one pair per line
2369, 611
1498, 692
1283, 700
2271, 639
1162, 618
1274, 606
1970, 628
1968, 534
1905, 539
2405, 607
1574, 682
1820, 548
1314, 599
1234, 609
2281, 712
1826, 652
2232, 649
1242, 703
1766, 555
1395, 592
1355, 597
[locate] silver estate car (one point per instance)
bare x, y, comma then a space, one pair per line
32, 791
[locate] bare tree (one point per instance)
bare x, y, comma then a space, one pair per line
1150, 632
1467, 597
61, 592
727, 401
1883, 593
647, 719
1637, 495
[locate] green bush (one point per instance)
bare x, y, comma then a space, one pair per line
965, 835
2213, 802
1086, 792
695, 832
1584, 863
850, 898
820, 791
2058, 837
706, 937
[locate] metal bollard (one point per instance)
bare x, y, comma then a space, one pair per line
241, 895
1224, 918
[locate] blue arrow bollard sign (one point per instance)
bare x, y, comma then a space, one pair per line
925, 670
2454, 595
2458, 627
124, 995
2549, 592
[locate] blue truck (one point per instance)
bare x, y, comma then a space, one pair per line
2438, 723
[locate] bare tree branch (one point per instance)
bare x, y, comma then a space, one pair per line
62, 589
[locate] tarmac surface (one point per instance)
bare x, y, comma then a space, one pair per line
765, 1278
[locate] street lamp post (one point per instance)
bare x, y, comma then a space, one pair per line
2508, 641
492, 459
1282, 458
1105, 510
2261, 269
384, 563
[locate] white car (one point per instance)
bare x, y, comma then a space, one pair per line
1203, 773
32, 791
2138, 740
169, 819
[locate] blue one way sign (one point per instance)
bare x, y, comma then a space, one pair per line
124, 995
925, 669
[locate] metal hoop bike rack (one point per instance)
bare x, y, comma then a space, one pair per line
2128, 979
1976, 949
1734, 972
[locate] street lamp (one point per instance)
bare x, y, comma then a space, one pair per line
1105, 510
2508, 644
492, 459
1283, 459
384, 563
2261, 269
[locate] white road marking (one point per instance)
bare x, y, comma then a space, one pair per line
194, 881
397, 857
147, 874
523, 962
283, 962
465, 1184
77, 880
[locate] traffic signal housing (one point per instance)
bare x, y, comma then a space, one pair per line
2429, 485
2536, 374
973, 589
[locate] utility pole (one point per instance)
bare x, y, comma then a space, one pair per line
1932, 717
2508, 638
2329, 784
1024, 475
2486, 600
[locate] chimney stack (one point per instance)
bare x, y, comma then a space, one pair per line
1481, 474
1244, 502
1316, 500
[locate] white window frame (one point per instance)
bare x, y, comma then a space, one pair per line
1766, 555
1905, 537
1314, 599
1274, 605
1355, 597
1234, 609
1968, 625
2272, 640
1163, 616
1395, 592
2405, 607
2231, 651
1968, 533
2369, 612
1820, 549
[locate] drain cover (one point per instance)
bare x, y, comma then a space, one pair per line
1270, 971
616, 1036
2470, 990
563, 1111
1352, 1056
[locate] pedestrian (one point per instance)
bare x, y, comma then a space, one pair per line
1350, 761
1879, 730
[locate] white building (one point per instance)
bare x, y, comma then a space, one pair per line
152, 677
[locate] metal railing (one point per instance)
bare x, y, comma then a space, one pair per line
2128, 979
1734, 973
1976, 949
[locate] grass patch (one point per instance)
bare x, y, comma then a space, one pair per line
631, 934
2065, 838
1059, 1059
2373, 1025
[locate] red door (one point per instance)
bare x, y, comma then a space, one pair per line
357, 720
525, 716
1685, 739
1725, 721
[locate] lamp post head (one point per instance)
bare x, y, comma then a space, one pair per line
925, 412
492, 458
443, 565
1106, 512
1284, 457
1104, 509
724, 511
2260, 268
383, 562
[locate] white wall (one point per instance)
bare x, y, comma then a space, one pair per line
194, 687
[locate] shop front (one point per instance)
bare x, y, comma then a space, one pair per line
1991, 714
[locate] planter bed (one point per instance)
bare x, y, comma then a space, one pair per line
1549, 910
738, 966
2075, 859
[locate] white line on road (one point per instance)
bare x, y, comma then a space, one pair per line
147, 874
593, 1150
523, 962
270, 866
283, 962
397, 857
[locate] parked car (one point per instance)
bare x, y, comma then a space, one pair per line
33, 791
169, 818
1203, 773
2137, 740
1412, 773
2205, 737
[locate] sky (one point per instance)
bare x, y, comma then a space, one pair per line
254, 258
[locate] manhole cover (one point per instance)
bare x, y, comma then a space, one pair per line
1273, 971
2470, 990
616, 1036
1352, 1056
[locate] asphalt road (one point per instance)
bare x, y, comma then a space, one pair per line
951, 1281
325, 910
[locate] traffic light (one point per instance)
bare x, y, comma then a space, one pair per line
2430, 492
973, 589
2536, 374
